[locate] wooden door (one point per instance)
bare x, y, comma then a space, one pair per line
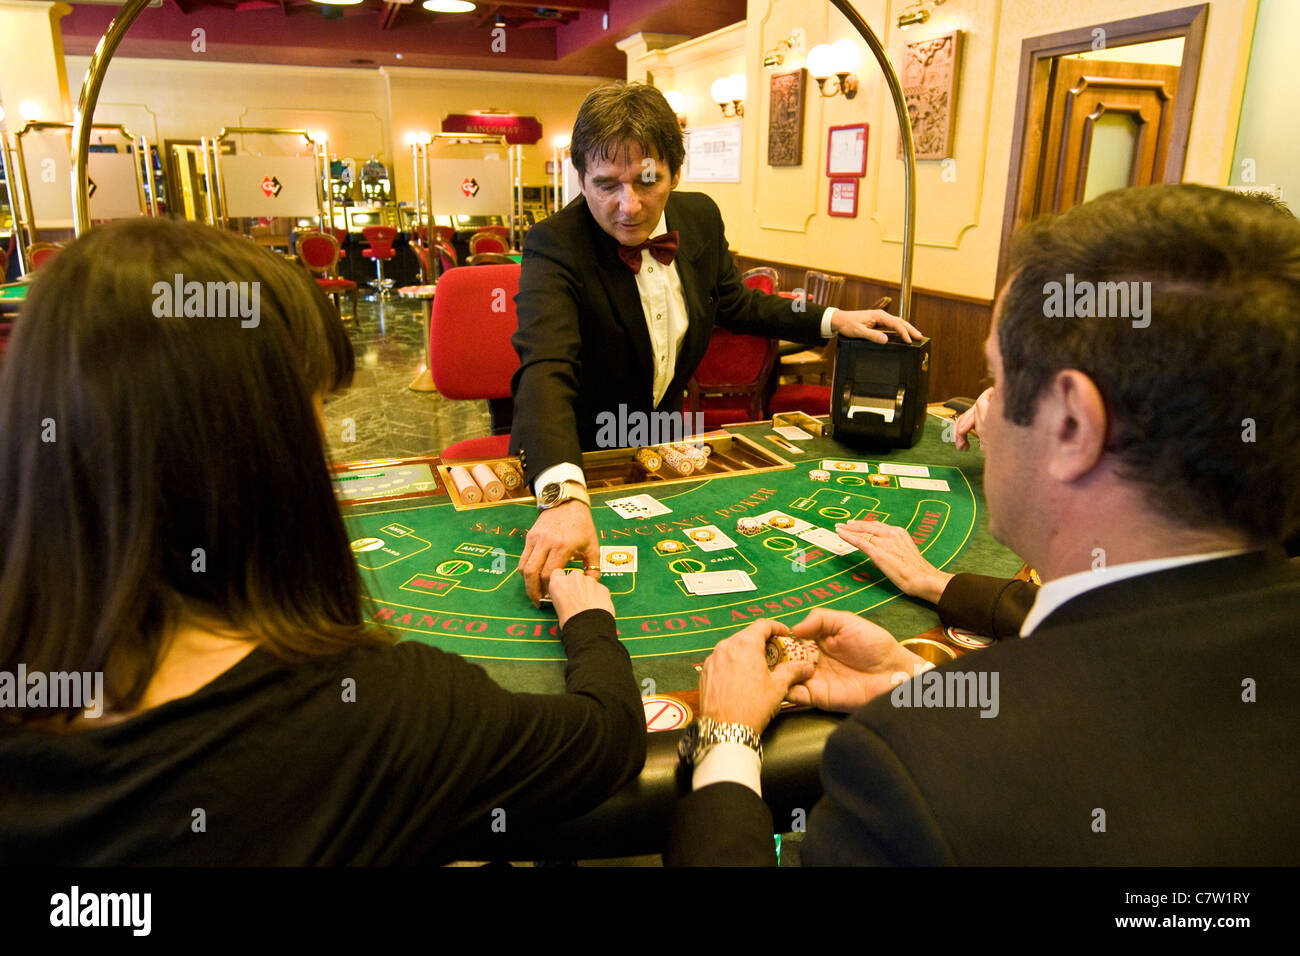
1106, 125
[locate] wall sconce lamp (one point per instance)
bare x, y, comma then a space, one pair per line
839, 59
729, 91
678, 103
916, 13
776, 56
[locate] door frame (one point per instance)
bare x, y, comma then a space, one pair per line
1035, 54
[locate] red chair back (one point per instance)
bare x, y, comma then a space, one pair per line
426, 267
443, 234
483, 241
469, 342
763, 279
733, 359
41, 253
318, 251
381, 239
447, 255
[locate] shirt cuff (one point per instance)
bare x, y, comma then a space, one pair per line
826, 321
564, 471
729, 762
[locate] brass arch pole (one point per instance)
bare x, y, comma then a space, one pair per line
909, 149
85, 114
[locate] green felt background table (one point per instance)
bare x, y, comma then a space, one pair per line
450, 578
12, 294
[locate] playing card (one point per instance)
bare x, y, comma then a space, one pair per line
710, 538
924, 484
618, 559
638, 506
912, 471
834, 465
718, 582
828, 541
791, 432
783, 522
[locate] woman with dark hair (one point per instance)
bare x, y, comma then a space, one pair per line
186, 674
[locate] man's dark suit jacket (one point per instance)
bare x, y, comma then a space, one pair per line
583, 344
1127, 699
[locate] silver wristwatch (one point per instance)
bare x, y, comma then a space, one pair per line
706, 733
558, 492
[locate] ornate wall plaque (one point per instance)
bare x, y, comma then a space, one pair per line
785, 122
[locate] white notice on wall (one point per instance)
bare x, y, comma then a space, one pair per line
712, 154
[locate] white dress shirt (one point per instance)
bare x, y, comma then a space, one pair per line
664, 307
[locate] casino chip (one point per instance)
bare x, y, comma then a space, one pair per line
819, 474
844, 465
702, 534
967, 638
669, 547
780, 649
749, 526
618, 557
780, 521
880, 481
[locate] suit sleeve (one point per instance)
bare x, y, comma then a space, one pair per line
723, 824
871, 813
746, 310
995, 607
544, 431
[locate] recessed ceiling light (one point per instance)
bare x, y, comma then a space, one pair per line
448, 6
338, 3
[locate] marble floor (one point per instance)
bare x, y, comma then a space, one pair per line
379, 416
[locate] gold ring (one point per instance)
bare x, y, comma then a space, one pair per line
593, 567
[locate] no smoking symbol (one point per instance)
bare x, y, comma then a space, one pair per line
469, 186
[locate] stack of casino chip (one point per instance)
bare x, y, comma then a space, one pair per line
477, 484
749, 526
780, 649
649, 459
492, 487
697, 455
469, 492
509, 474
819, 474
676, 461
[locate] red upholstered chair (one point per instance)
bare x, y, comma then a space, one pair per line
484, 241
341, 237
732, 378
443, 234
489, 259
40, 253
762, 278
446, 256
319, 252
381, 239
426, 266
471, 350
812, 399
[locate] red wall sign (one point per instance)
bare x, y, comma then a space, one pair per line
516, 129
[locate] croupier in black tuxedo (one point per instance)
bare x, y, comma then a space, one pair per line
617, 299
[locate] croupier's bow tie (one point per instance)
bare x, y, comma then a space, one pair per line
663, 248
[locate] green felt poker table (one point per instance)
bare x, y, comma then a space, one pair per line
444, 572
13, 294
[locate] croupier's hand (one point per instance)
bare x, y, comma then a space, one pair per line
559, 535
872, 324
858, 661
